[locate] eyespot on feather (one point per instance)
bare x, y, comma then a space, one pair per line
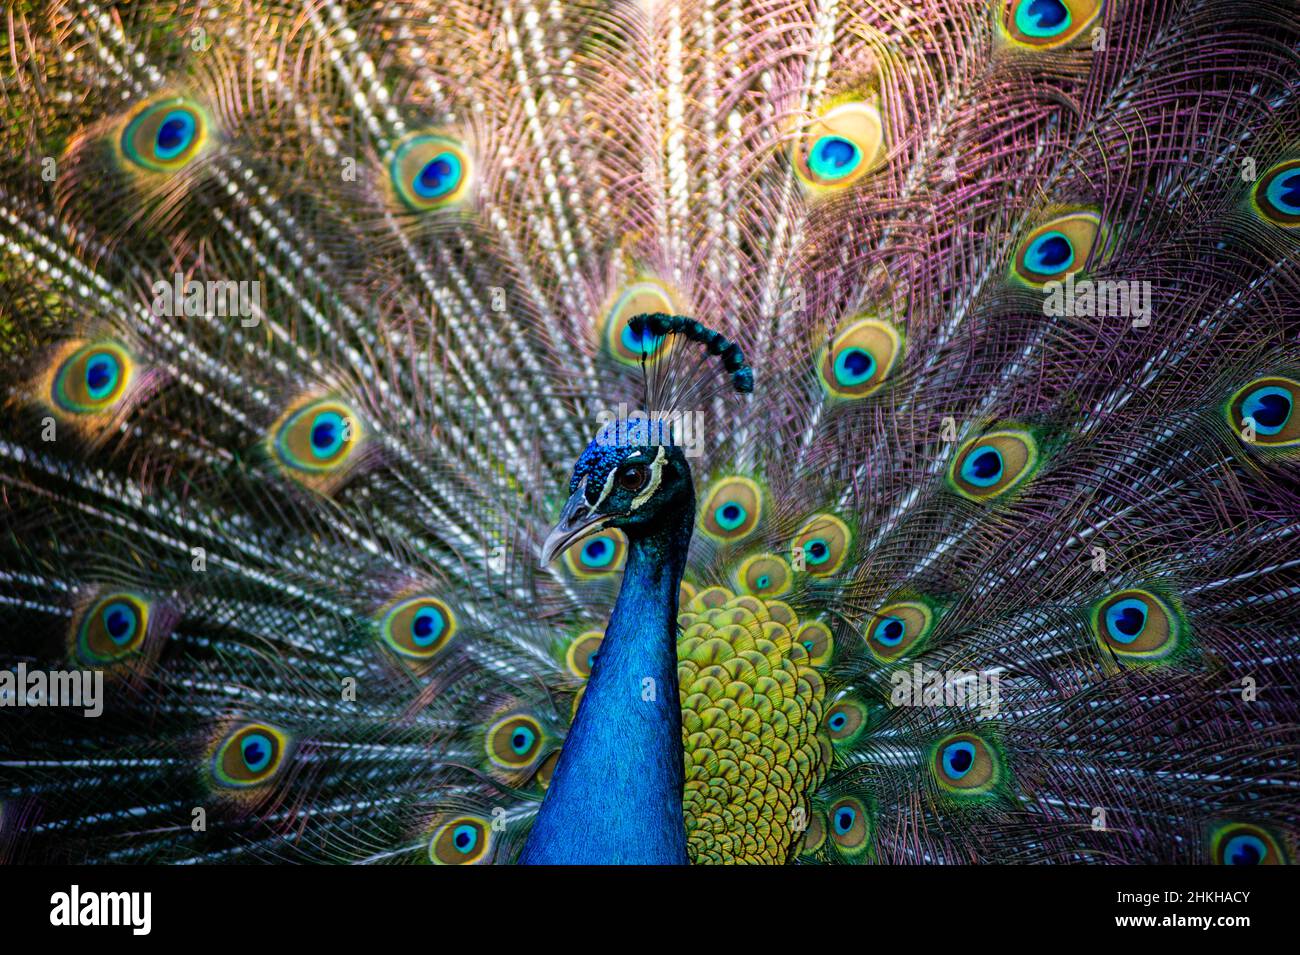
165, 135
992, 464
417, 628
860, 358
249, 755
732, 509
464, 840
1049, 24
1057, 248
430, 171
1266, 406
1137, 626
965, 765
840, 147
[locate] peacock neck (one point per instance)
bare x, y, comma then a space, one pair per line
616, 794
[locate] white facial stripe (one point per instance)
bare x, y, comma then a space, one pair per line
609, 486
656, 475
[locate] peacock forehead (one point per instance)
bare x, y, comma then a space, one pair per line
601, 457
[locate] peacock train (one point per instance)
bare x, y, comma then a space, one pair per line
650, 431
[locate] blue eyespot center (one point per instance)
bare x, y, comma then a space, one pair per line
1245, 850
439, 176
1043, 18
891, 631
120, 622
102, 373
982, 467
464, 838
763, 582
644, 344
834, 157
174, 136
427, 627
844, 819
730, 516
838, 721
1270, 408
1050, 253
817, 551
958, 758
853, 366
255, 749
328, 432
1126, 619
1284, 192
598, 552
521, 740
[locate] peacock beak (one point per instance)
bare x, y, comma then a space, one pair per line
576, 519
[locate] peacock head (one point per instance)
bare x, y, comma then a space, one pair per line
635, 476
632, 486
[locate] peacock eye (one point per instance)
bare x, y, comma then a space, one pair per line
633, 477
964, 764
1050, 23
250, 755
462, 841
1057, 248
1277, 194
1268, 404
993, 464
93, 379
430, 172
164, 136
1244, 844
113, 628
1137, 626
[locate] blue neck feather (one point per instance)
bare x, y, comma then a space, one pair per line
616, 795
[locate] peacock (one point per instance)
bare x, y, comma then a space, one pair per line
650, 431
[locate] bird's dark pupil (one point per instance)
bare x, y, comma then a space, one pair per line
838, 152
1049, 13
1130, 621
1246, 854
1273, 410
171, 134
987, 464
1291, 189
322, 434
894, 630
97, 375
1055, 251
960, 759
117, 623
433, 173
731, 512
857, 362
